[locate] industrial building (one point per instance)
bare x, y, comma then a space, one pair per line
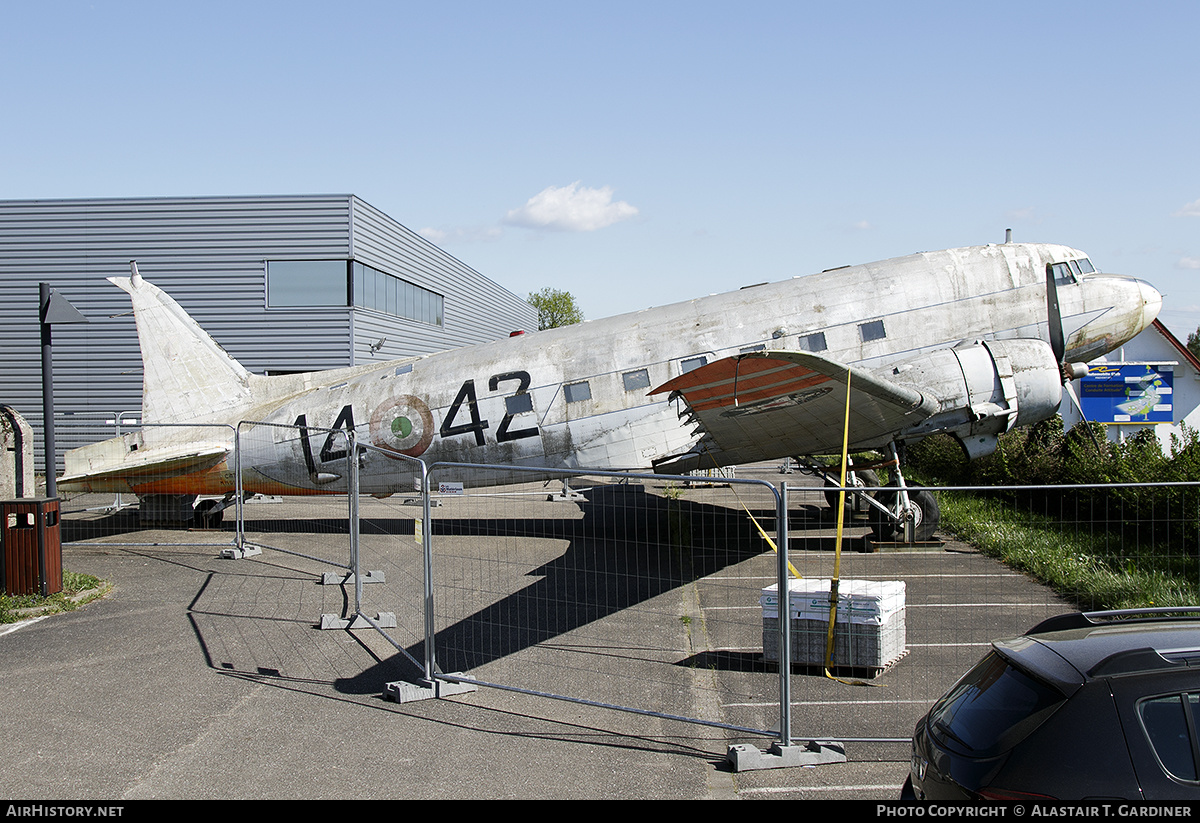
283, 283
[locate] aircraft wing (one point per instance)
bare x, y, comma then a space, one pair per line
764, 405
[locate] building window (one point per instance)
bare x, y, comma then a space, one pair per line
872, 331
577, 392
380, 291
292, 283
635, 380
311, 283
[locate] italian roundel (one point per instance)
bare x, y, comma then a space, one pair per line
403, 425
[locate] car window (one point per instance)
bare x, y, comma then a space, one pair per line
991, 709
1165, 720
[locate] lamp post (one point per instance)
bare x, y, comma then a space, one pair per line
52, 308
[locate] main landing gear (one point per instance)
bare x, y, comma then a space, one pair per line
895, 513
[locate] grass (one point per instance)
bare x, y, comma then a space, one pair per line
77, 590
1093, 571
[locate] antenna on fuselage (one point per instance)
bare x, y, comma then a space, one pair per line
1008, 235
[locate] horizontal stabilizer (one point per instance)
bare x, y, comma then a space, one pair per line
765, 405
106, 466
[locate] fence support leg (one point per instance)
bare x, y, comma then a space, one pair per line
783, 753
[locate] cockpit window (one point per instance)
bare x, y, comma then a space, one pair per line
1071, 270
1062, 273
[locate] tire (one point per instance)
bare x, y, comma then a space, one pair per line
208, 516
926, 513
859, 479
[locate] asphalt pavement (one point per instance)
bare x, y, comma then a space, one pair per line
200, 677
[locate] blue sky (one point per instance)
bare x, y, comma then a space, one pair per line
638, 153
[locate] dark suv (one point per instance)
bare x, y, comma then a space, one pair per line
1084, 706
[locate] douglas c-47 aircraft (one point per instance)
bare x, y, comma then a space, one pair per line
970, 341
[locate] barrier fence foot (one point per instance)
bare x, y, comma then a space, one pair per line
386, 620
566, 496
402, 691
340, 578
240, 553
814, 753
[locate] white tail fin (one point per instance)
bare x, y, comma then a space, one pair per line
186, 375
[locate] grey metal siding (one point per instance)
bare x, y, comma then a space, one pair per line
208, 253
476, 309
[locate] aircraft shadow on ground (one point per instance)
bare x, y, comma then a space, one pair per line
628, 548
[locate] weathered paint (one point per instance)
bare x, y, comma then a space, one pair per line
909, 329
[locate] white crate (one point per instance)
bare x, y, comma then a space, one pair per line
869, 628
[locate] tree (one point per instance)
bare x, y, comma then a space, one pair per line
555, 308
1193, 342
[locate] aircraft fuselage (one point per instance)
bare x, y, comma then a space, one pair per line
580, 396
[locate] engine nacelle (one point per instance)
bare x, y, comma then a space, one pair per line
983, 389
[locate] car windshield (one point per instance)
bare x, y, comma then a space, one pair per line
991, 709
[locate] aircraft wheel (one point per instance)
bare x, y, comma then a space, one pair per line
926, 516
208, 516
854, 504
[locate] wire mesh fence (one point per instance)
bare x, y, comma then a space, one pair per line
647, 593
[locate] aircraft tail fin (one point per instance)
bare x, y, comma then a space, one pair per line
186, 375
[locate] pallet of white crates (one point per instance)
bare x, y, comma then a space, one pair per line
868, 629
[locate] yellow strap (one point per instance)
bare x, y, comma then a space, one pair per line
837, 546
770, 542
837, 550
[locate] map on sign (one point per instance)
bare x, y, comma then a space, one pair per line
1128, 393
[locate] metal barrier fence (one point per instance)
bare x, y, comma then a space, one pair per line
651, 594
600, 588
119, 514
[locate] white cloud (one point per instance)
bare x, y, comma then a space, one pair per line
478, 235
571, 208
1192, 209
1188, 263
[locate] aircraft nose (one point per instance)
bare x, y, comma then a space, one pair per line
1151, 302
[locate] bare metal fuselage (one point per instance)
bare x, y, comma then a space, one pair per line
582, 396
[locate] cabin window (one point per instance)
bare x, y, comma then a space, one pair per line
518, 403
749, 349
635, 380
872, 331
815, 341
693, 363
577, 392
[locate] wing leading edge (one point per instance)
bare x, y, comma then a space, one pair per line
766, 405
